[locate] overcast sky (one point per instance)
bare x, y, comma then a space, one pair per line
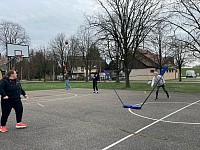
44, 19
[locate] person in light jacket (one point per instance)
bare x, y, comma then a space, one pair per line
160, 82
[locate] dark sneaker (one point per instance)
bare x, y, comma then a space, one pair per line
167, 95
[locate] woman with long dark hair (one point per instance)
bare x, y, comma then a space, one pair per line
10, 90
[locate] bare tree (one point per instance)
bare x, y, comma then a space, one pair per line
30, 68
127, 23
86, 41
179, 50
12, 33
41, 60
159, 40
187, 19
58, 46
73, 53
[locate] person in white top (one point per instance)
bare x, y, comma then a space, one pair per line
160, 82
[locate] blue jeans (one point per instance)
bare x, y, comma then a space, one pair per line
67, 85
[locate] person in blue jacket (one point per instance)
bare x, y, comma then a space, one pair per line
10, 90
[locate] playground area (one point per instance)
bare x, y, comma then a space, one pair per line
79, 119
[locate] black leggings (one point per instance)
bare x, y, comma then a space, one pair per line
163, 86
6, 107
95, 86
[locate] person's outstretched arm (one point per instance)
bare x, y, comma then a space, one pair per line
152, 82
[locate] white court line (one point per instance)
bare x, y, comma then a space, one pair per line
174, 122
65, 98
40, 105
118, 142
138, 131
56, 99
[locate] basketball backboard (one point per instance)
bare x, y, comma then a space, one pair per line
13, 50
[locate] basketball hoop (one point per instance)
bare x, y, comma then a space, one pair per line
19, 58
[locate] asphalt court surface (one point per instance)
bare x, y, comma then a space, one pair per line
78, 119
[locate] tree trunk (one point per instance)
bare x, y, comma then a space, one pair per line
179, 74
86, 80
45, 78
127, 79
117, 77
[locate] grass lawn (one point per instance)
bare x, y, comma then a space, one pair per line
172, 86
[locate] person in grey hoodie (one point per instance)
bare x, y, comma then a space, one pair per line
160, 82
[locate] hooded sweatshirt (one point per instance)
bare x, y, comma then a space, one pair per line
11, 88
158, 79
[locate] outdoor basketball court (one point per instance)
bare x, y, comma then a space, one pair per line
77, 119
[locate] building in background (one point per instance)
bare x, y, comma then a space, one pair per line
146, 63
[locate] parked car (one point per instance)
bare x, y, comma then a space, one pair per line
190, 74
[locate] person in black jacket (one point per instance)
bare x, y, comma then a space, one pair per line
95, 80
10, 90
